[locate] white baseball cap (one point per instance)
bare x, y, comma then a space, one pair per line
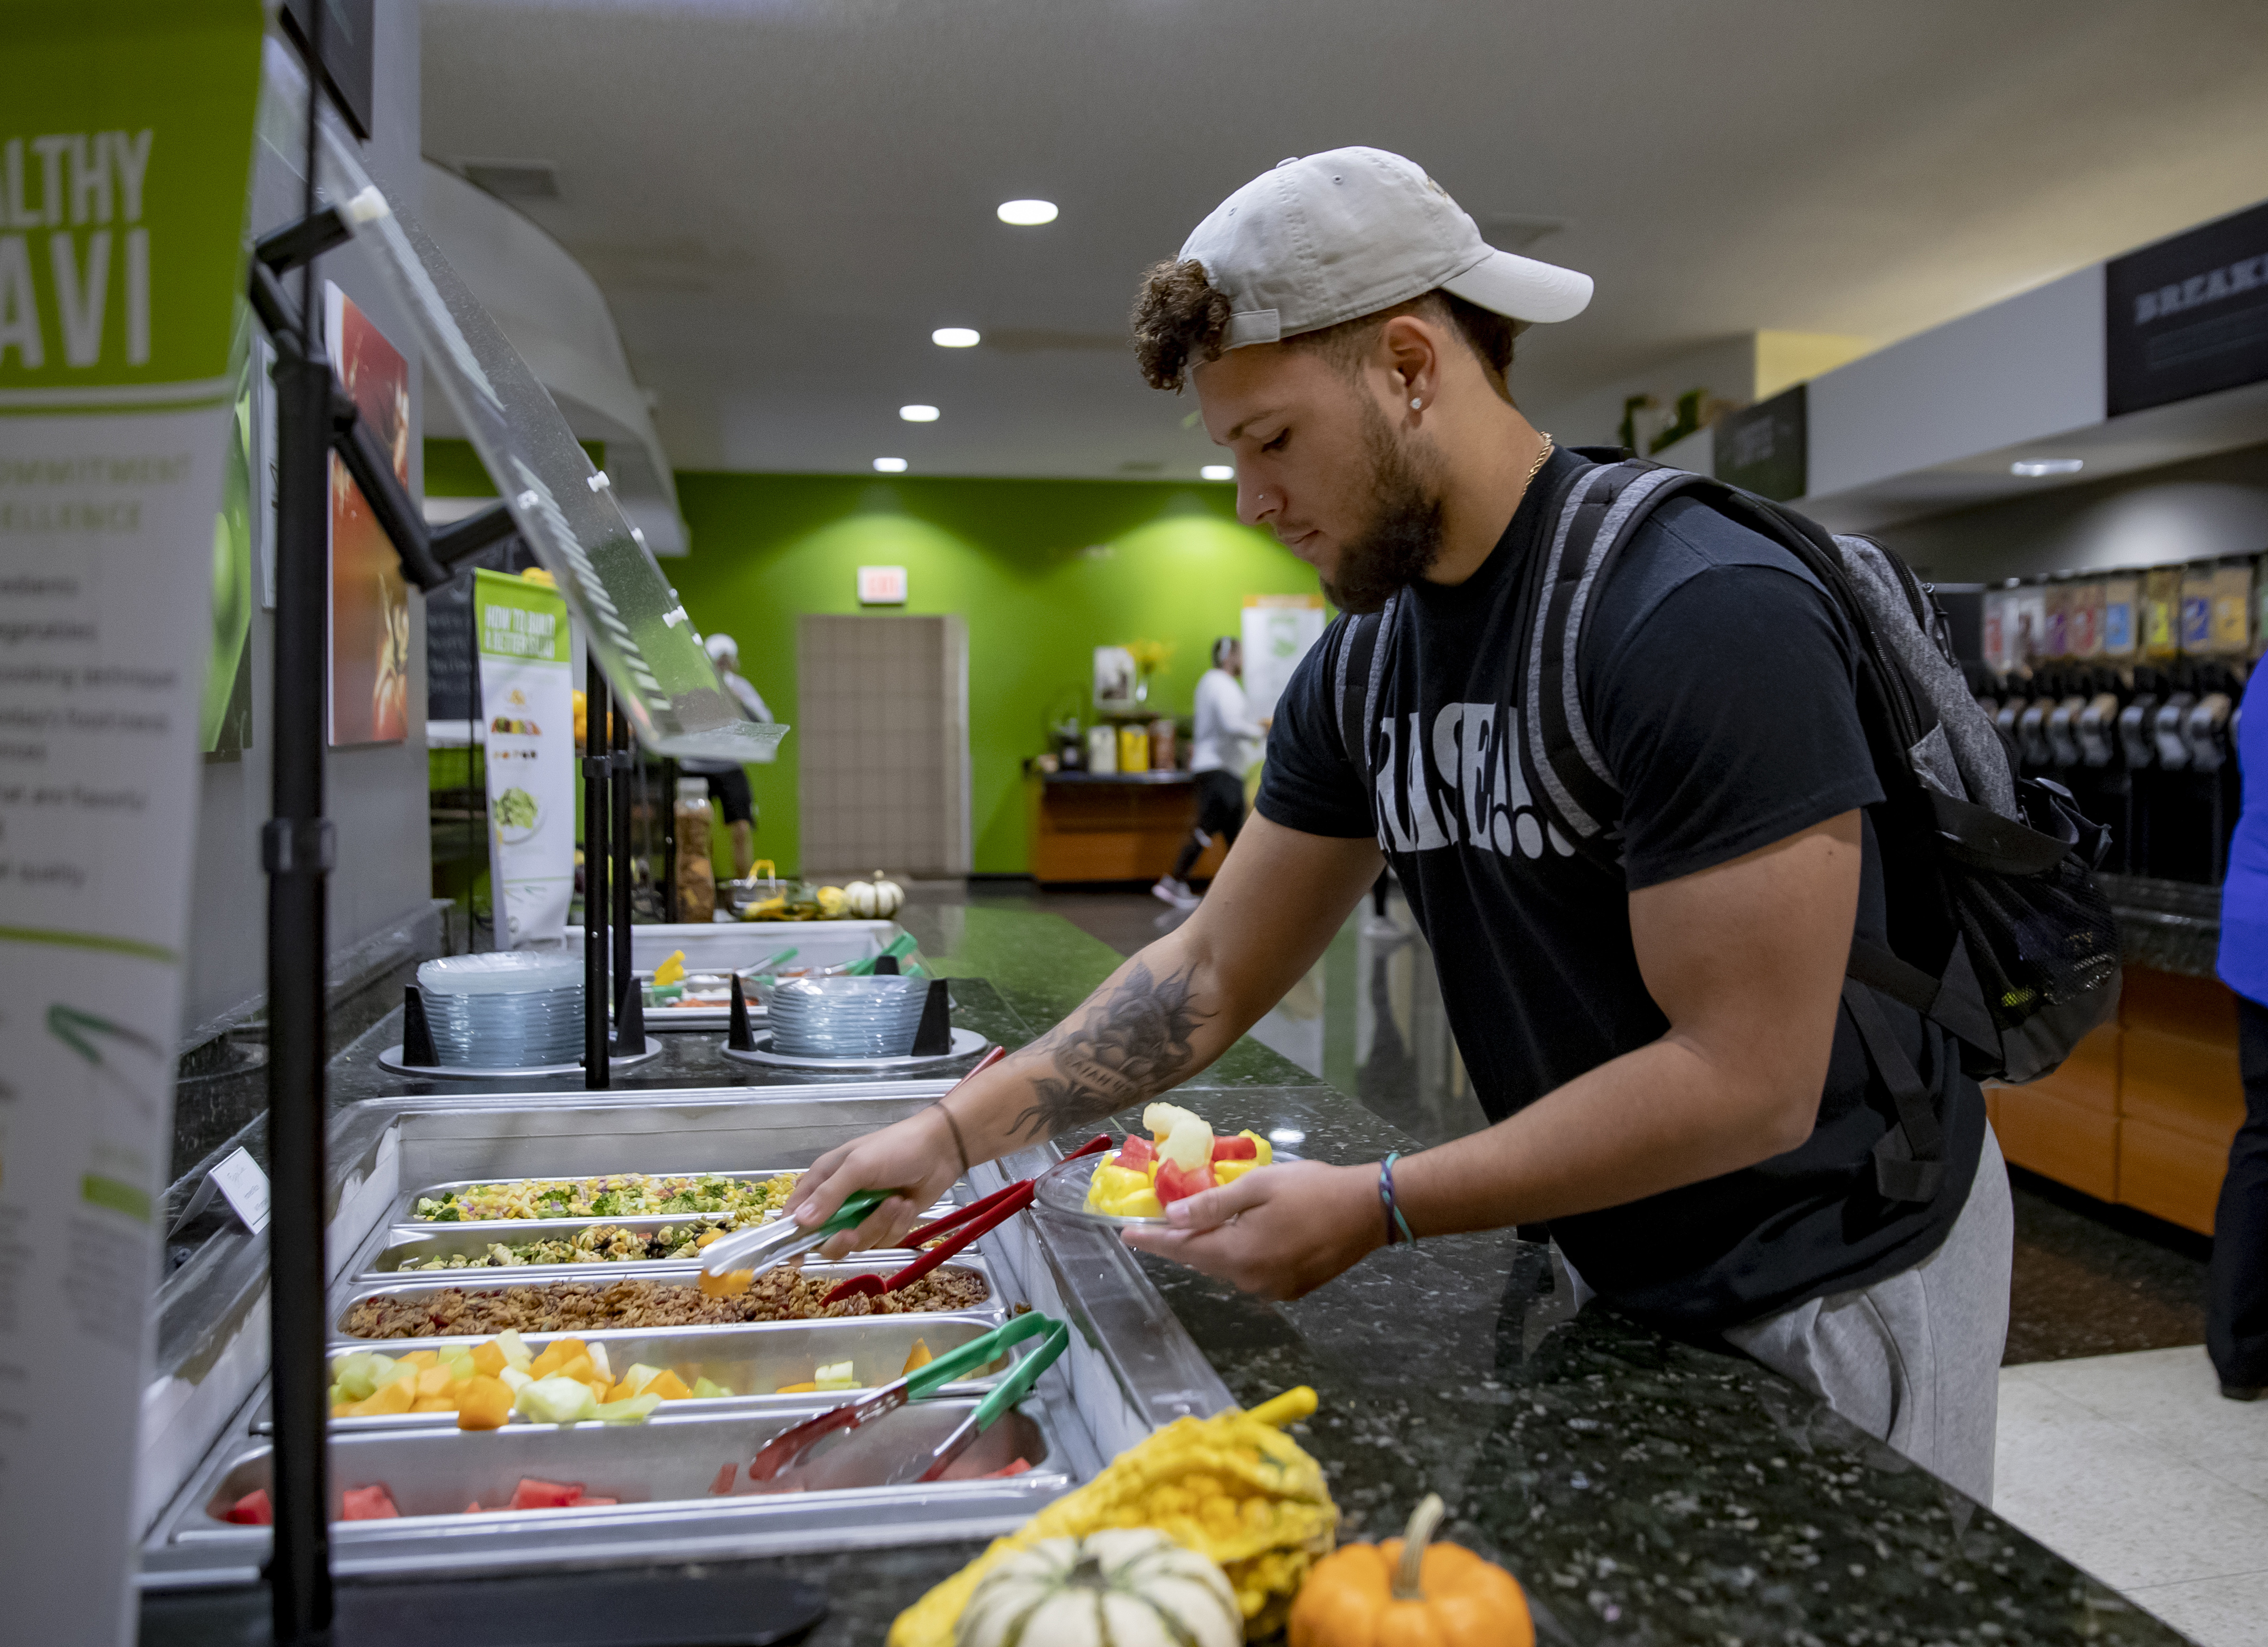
720, 645
1347, 232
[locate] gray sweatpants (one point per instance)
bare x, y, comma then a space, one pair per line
1915, 1360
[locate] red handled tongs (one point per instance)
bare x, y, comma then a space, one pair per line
981, 1216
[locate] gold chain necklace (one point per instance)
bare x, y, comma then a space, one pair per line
1542, 457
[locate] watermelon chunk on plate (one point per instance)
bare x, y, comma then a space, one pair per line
368, 1503
1237, 1149
253, 1510
533, 1494
1136, 1155
1177, 1183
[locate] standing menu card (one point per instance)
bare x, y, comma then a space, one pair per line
527, 717
125, 150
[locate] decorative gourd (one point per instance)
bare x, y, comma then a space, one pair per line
877, 899
1127, 1587
1234, 1486
1410, 1590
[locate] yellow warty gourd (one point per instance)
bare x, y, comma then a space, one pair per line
1232, 1487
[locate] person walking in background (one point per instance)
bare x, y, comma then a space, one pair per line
2236, 1312
1219, 752
728, 783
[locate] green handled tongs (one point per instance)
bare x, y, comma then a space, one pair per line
932, 1465
783, 1239
789, 1449
899, 949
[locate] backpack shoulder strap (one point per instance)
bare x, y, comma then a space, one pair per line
1602, 510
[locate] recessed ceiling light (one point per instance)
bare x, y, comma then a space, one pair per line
918, 414
955, 337
2047, 466
891, 466
1217, 472
1027, 214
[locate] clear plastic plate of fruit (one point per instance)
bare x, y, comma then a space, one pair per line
1134, 1184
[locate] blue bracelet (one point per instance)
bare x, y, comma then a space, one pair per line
1397, 1227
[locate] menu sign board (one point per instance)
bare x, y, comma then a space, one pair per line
2188, 316
1277, 631
1765, 449
528, 698
126, 144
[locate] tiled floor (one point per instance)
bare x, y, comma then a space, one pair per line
2096, 1280
2135, 1467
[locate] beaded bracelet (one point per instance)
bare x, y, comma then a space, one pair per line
1397, 1227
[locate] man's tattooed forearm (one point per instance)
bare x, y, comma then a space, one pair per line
1131, 1046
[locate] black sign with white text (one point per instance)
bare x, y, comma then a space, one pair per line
2188, 316
1766, 448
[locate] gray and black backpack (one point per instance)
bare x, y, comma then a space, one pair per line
1997, 931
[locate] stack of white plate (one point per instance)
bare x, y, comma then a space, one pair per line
509, 1010
847, 1018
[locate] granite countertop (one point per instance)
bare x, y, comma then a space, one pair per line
1644, 1490
2171, 926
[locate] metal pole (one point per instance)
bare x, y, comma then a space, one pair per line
596, 998
618, 776
669, 810
297, 851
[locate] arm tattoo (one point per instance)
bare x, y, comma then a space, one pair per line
1126, 1048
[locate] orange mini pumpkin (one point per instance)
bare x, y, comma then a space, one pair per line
1411, 1593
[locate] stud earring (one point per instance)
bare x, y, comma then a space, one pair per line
1415, 404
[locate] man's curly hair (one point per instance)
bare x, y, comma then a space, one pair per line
1180, 319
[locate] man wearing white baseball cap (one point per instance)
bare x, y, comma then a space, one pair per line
1655, 1031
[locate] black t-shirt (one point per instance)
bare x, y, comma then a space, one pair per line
1717, 679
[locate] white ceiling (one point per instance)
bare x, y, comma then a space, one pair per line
782, 198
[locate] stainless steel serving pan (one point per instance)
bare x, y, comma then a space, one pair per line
406, 1211
993, 1309
663, 1472
753, 1361
667, 1460
406, 1245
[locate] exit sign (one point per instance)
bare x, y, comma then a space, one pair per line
881, 585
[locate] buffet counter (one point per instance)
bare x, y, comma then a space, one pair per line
1641, 1490
1107, 827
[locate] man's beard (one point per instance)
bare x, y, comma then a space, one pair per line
1403, 538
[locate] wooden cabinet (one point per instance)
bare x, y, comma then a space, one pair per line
2143, 1111
1129, 827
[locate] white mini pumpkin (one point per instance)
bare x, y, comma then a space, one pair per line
889, 897
1127, 1586
861, 896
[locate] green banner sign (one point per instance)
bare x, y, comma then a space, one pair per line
126, 144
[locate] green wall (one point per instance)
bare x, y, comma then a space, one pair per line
1043, 571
